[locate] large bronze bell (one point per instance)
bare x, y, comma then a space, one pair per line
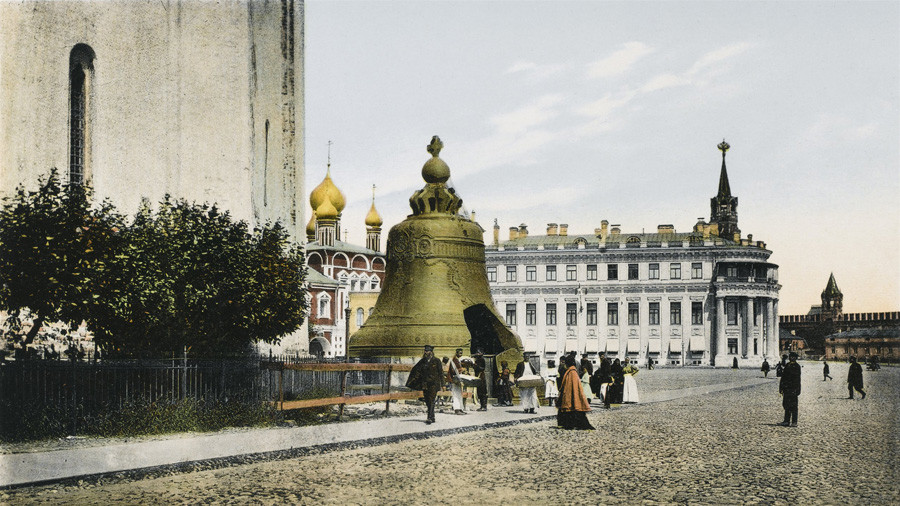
435, 289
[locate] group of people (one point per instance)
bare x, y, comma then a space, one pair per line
789, 386
571, 390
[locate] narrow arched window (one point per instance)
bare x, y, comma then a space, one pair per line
81, 70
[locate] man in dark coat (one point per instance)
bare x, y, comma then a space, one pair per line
428, 376
481, 390
855, 379
789, 388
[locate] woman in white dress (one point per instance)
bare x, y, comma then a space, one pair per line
551, 392
630, 390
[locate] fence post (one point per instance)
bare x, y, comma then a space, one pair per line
387, 387
184, 375
343, 393
281, 386
72, 358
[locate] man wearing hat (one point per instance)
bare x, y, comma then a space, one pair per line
481, 390
855, 378
789, 388
428, 376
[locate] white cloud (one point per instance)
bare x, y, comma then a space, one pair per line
830, 128
533, 71
664, 81
520, 120
546, 198
521, 66
620, 61
717, 56
603, 108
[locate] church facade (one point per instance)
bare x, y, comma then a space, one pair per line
699, 298
343, 279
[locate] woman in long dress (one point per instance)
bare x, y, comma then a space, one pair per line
629, 386
551, 392
572, 407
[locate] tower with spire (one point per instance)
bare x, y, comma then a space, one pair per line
723, 207
373, 226
832, 300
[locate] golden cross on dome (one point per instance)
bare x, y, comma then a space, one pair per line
373, 193
329, 153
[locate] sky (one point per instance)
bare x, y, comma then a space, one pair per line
577, 112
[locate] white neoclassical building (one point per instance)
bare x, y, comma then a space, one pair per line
704, 297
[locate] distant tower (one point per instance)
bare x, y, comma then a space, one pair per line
373, 226
723, 207
832, 300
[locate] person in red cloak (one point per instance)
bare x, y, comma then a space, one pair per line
572, 404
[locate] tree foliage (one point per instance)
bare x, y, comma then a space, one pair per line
181, 276
54, 248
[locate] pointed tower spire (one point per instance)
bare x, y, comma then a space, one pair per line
832, 300
723, 207
724, 187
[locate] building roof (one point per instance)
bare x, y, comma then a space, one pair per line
612, 241
831, 289
314, 277
866, 332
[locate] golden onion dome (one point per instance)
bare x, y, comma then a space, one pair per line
326, 211
327, 191
373, 219
311, 226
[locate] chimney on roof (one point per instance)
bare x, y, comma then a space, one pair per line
496, 233
551, 229
604, 230
472, 216
563, 229
615, 230
513, 233
523, 231
665, 229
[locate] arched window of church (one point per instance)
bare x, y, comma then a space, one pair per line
359, 317
81, 70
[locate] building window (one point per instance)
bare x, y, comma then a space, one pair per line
571, 273
731, 271
359, 316
551, 273
697, 313
492, 274
592, 272
81, 69
632, 271
571, 314
530, 314
612, 313
551, 314
592, 313
531, 273
674, 271
633, 314
511, 314
654, 313
757, 311
370, 310
654, 271
510, 272
612, 271
324, 309
697, 270
732, 346
731, 313
675, 313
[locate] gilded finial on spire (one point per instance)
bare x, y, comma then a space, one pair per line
436, 146
373, 193
435, 170
723, 147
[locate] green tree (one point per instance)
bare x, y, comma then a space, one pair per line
53, 249
189, 276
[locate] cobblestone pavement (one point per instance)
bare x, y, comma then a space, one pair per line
718, 448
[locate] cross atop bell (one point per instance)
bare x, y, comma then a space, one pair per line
435, 289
